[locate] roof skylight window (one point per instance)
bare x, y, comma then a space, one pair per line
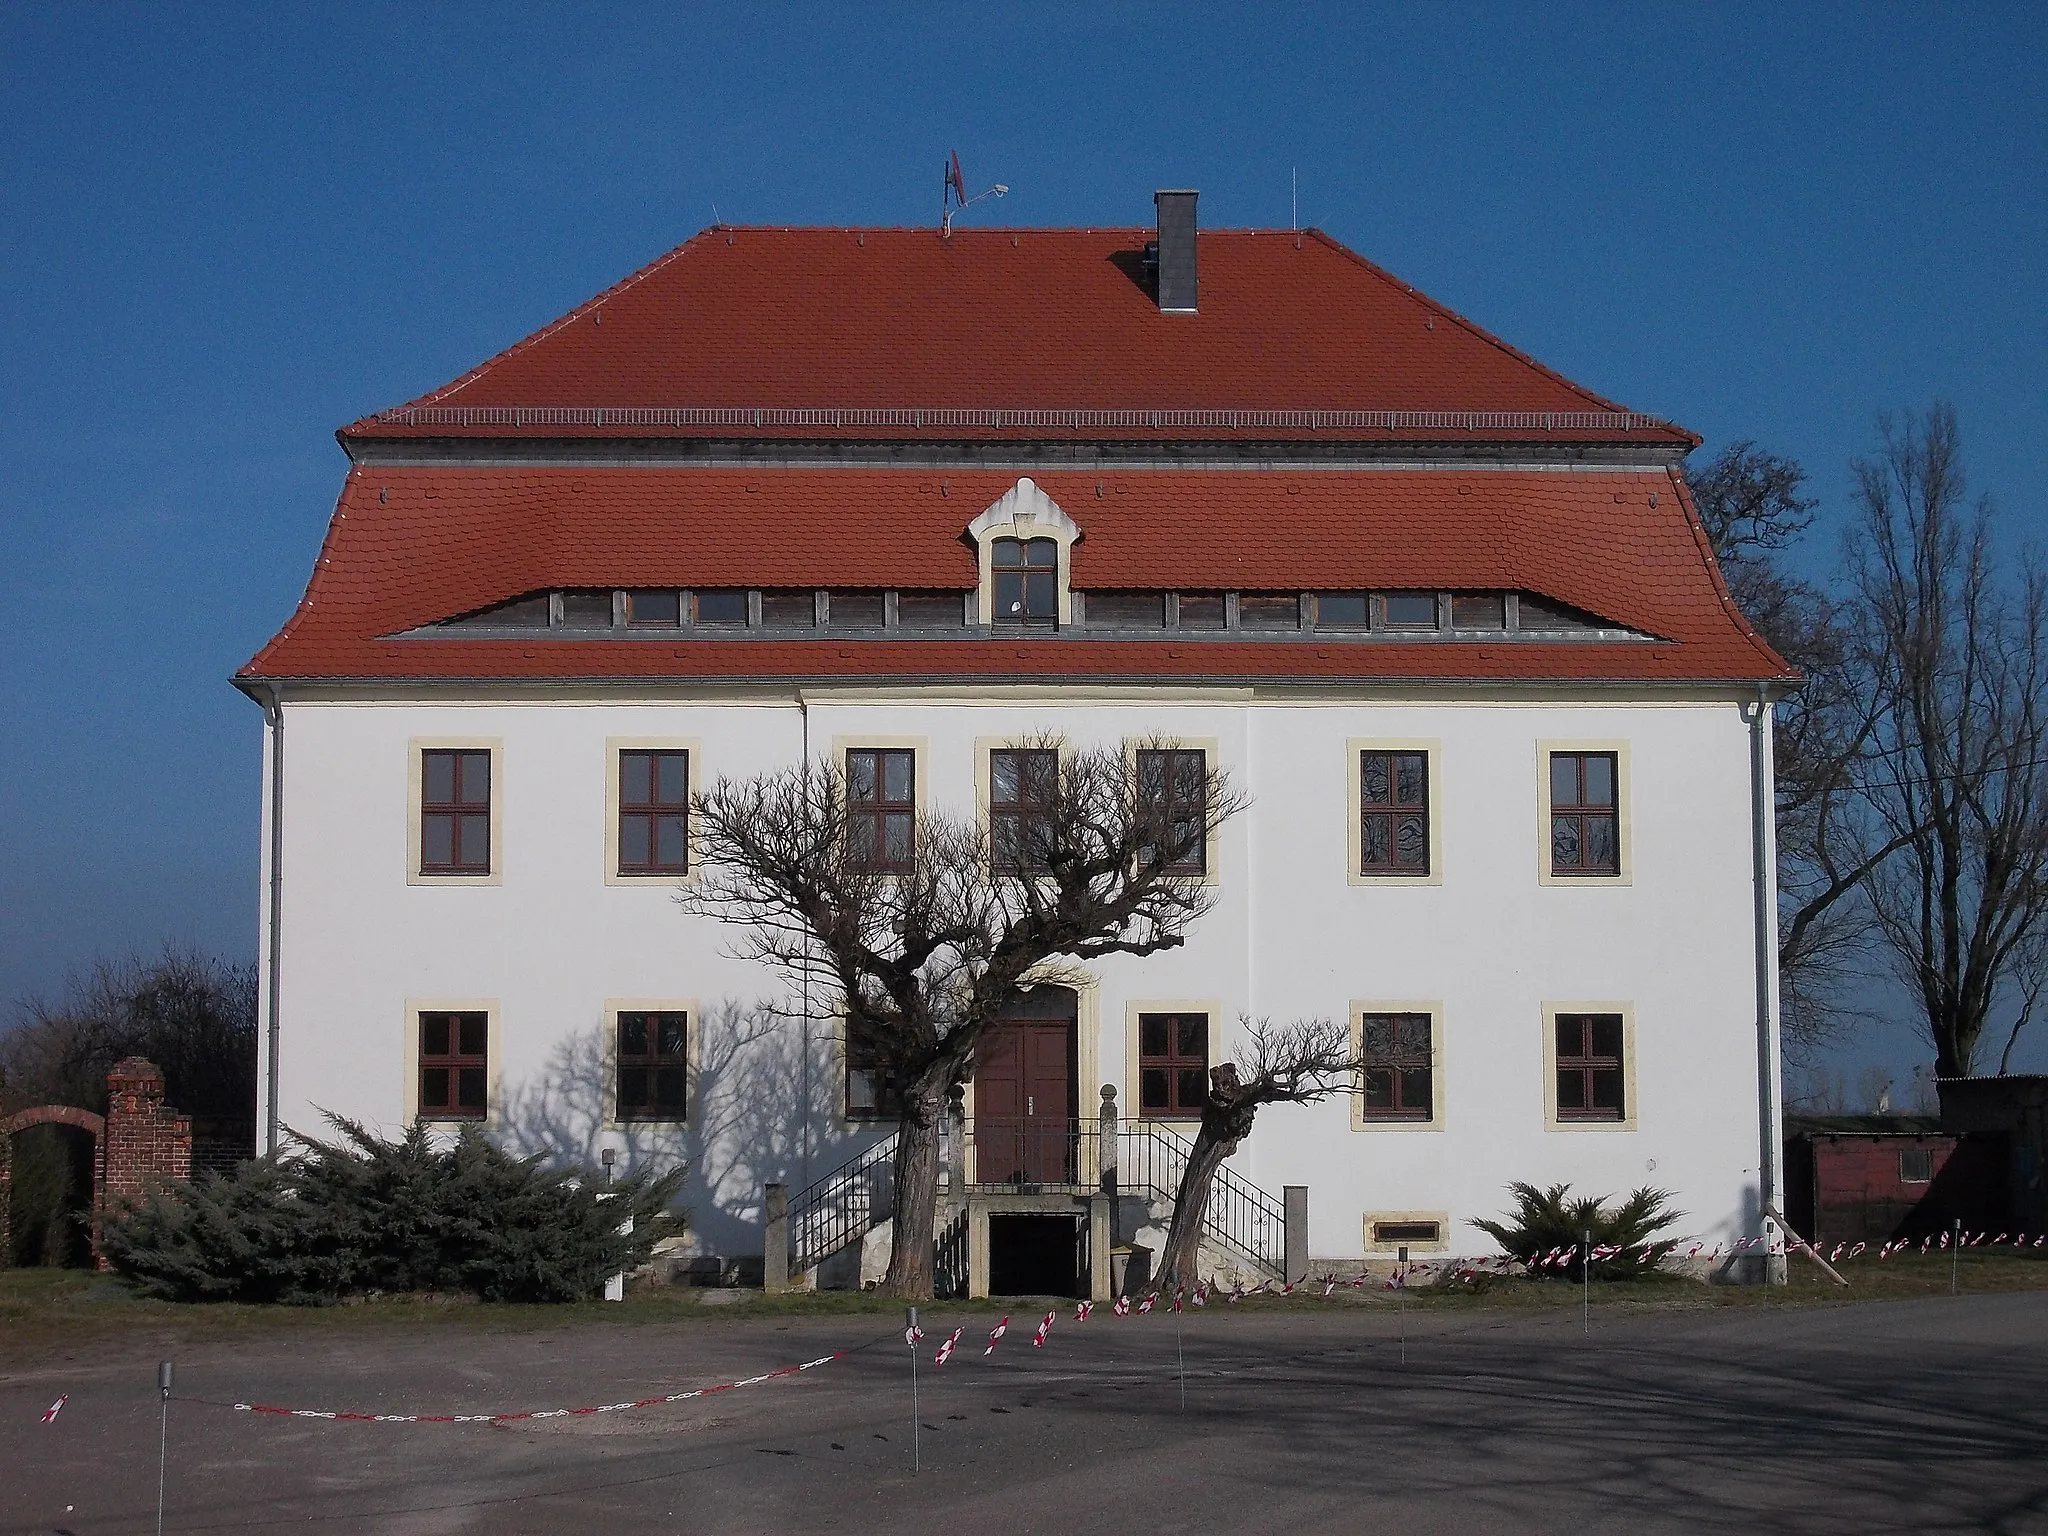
654, 605
790, 608
1269, 610
1479, 610
1540, 613
1125, 610
855, 610
1409, 610
529, 612
1341, 610
720, 605
587, 610
931, 610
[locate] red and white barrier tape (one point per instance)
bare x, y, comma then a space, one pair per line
543, 1413
1461, 1268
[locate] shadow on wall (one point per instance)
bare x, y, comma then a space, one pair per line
745, 1130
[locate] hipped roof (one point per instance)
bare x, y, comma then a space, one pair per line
1011, 333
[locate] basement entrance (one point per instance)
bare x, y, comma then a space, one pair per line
1033, 1255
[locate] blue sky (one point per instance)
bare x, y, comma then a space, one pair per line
230, 231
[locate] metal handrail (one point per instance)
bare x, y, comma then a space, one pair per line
1032, 1152
1003, 417
843, 1205
1042, 1154
1050, 1155
1240, 1216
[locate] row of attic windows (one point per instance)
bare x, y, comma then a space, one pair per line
714, 610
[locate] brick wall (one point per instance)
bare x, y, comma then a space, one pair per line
147, 1141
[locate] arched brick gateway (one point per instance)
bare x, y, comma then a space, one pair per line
44, 1114
139, 1142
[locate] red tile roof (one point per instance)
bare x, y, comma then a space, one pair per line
895, 333
409, 546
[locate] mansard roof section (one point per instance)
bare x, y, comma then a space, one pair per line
1010, 335
411, 546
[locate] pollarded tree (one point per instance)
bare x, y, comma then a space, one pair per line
1298, 1063
923, 926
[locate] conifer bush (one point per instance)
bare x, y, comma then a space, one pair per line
362, 1215
1547, 1220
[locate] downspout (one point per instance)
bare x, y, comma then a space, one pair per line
273, 716
1770, 1109
803, 709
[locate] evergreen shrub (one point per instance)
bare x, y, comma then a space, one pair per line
363, 1215
1546, 1220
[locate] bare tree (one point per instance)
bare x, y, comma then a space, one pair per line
1957, 659
192, 1014
2031, 974
1752, 509
1750, 506
1298, 1063
922, 933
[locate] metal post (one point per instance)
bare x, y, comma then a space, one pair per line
614, 1285
1586, 1286
163, 1437
910, 1337
1955, 1259
1106, 1160
1401, 1285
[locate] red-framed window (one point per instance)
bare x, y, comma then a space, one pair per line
1023, 786
1591, 1070
1398, 1059
1393, 813
1173, 1063
881, 808
653, 1066
654, 812
1173, 798
1585, 824
455, 1066
455, 811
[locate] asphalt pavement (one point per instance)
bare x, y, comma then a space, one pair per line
1922, 1416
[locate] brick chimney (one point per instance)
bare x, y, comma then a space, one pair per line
1176, 245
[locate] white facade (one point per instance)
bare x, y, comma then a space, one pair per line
552, 939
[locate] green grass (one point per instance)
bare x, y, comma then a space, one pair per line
58, 1310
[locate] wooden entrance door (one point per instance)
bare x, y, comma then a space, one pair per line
1024, 1116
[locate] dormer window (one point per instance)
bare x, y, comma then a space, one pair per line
1027, 580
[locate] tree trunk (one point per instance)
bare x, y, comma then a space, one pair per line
1222, 1129
913, 1259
